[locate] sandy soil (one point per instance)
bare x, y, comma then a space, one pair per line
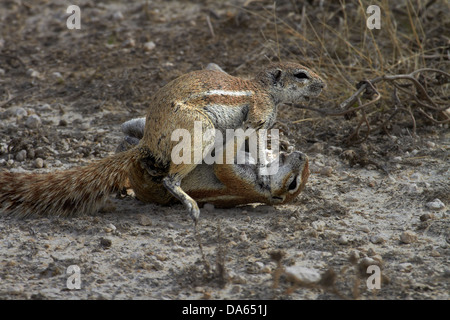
367, 204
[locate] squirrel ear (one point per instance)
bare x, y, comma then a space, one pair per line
275, 75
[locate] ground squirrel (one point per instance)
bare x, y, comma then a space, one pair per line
223, 185
214, 98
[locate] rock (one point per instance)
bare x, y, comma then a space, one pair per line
105, 242
366, 262
351, 199
21, 155
259, 265
426, 216
118, 16
39, 163
436, 204
377, 239
342, 239
243, 237
326, 171
34, 74
318, 225
304, 275
17, 112
408, 237
57, 75
316, 147
209, 207
129, 43
149, 46
435, 253
430, 144
405, 267
33, 122
416, 176
144, 220
353, 256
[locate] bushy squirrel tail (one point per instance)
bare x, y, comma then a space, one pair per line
77, 191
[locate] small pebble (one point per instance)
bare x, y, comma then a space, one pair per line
366, 262
436, 204
377, 239
372, 183
351, 199
85, 126
19, 112
303, 275
408, 237
21, 155
264, 244
129, 43
318, 225
342, 239
405, 267
235, 289
426, 216
353, 256
105, 242
416, 176
149, 46
430, 144
435, 253
209, 207
259, 265
144, 220
326, 171
266, 269
39, 163
316, 147
118, 16
33, 121
33, 73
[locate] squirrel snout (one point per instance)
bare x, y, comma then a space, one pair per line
317, 86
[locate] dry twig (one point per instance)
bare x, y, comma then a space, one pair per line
418, 93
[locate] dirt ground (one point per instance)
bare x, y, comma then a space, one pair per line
64, 94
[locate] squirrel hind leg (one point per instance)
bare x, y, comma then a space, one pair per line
172, 184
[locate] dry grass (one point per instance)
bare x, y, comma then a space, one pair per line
332, 37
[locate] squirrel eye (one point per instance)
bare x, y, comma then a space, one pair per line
293, 184
301, 75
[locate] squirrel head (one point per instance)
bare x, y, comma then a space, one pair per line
289, 181
290, 82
